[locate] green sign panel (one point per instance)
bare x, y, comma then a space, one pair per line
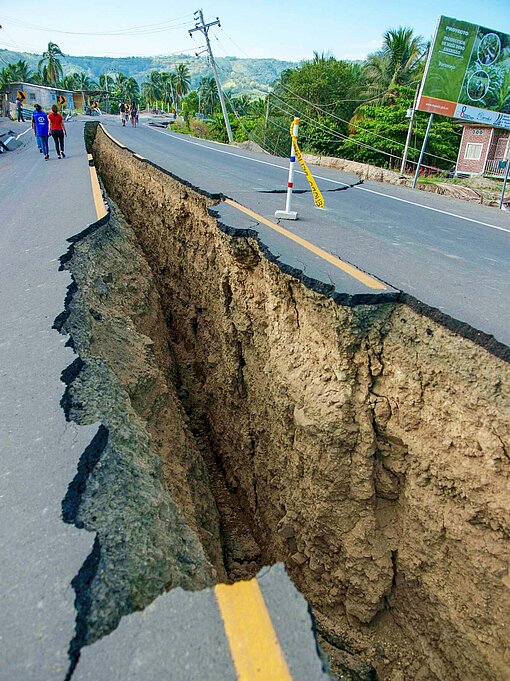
468, 74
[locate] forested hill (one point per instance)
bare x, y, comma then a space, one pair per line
239, 75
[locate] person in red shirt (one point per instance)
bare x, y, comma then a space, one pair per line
58, 130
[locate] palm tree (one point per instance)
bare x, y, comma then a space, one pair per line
241, 104
68, 82
6, 76
83, 82
131, 90
168, 86
182, 80
22, 71
151, 88
397, 62
52, 70
106, 81
208, 93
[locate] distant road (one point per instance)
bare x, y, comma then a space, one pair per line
450, 254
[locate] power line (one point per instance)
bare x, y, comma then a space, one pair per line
370, 132
144, 29
328, 113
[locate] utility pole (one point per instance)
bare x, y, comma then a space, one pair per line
410, 131
266, 122
204, 28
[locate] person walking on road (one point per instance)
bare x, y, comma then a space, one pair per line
58, 130
19, 109
122, 111
41, 127
39, 145
134, 114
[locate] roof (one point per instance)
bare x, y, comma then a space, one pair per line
46, 87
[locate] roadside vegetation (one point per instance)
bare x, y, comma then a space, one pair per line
352, 110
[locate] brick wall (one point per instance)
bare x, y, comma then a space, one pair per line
474, 134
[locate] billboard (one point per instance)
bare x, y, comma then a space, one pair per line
468, 74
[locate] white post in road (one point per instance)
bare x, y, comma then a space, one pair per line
289, 214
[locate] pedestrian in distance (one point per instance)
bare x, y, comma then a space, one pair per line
39, 145
19, 110
58, 130
40, 125
126, 114
122, 112
134, 113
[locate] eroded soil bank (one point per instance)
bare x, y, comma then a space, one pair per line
366, 447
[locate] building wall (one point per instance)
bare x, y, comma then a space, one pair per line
473, 134
44, 96
494, 147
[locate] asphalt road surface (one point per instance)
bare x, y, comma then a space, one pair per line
450, 254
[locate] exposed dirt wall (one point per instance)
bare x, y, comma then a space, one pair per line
369, 444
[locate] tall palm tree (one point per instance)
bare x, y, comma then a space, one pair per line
151, 88
52, 68
168, 83
397, 62
182, 80
131, 90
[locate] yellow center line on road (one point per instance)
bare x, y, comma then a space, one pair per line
254, 646
96, 193
352, 271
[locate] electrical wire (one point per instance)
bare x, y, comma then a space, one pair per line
143, 29
370, 132
338, 135
328, 113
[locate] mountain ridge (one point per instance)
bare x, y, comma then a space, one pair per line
238, 74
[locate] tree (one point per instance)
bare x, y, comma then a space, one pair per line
320, 91
83, 82
398, 62
383, 125
151, 88
106, 81
131, 90
22, 71
208, 94
51, 66
68, 82
182, 80
168, 86
17, 72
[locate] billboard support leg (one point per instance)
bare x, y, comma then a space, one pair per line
504, 185
429, 124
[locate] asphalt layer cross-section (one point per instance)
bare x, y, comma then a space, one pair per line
450, 254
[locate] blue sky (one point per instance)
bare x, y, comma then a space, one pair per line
265, 28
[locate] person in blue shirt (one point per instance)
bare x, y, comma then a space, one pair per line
41, 128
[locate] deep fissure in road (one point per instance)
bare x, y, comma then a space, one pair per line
366, 447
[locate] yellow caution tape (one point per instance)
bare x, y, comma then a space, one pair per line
318, 199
